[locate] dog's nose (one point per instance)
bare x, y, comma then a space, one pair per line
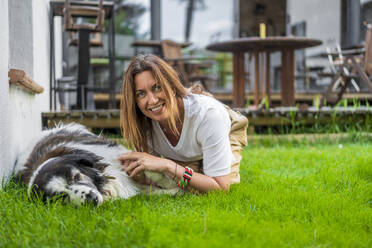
92, 198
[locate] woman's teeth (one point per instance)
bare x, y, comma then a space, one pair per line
156, 108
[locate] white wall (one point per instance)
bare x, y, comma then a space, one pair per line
20, 35
41, 51
323, 20
5, 138
21, 111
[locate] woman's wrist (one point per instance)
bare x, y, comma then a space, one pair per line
172, 168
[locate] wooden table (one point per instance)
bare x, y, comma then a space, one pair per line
262, 47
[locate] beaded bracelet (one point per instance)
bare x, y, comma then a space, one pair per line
187, 175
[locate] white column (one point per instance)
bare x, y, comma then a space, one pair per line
5, 137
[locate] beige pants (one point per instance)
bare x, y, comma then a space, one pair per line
238, 139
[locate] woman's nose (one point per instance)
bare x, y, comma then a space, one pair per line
152, 98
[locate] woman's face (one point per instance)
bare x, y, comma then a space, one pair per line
150, 97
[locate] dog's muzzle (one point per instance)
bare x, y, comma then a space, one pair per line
83, 194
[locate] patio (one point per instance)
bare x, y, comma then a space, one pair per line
261, 86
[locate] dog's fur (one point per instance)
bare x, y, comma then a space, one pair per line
71, 162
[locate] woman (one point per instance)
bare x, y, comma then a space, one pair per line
170, 127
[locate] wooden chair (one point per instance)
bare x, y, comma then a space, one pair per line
350, 65
189, 68
81, 10
95, 42
172, 53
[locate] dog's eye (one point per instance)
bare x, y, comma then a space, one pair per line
77, 177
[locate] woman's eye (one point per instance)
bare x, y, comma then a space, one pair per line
157, 88
140, 94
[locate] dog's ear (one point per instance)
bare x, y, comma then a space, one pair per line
88, 163
84, 159
100, 166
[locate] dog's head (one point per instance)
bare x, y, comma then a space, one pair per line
74, 177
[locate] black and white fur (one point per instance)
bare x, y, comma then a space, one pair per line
71, 162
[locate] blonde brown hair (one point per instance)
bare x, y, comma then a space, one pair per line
135, 126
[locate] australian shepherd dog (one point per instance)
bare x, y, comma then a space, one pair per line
70, 162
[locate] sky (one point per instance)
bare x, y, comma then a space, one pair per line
212, 24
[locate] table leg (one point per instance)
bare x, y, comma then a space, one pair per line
268, 90
263, 78
83, 68
287, 91
256, 90
290, 82
284, 79
239, 80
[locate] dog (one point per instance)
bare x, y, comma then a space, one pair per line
71, 163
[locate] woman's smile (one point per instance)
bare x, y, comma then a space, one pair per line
157, 109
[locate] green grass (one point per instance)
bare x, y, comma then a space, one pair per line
291, 195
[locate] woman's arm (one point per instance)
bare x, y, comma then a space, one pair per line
200, 182
143, 161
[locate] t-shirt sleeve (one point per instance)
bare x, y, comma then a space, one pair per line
213, 136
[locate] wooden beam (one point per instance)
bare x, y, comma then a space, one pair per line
19, 78
272, 117
299, 96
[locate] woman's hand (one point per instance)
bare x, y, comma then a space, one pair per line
135, 163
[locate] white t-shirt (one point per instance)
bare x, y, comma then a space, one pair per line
204, 135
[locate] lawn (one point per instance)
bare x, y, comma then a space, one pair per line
292, 194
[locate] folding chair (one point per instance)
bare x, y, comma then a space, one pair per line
350, 65
81, 10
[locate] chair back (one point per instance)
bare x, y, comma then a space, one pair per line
368, 50
172, 53
84, 9
171, 50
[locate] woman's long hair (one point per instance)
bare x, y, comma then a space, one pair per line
135, 126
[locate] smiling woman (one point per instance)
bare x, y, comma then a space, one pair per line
189, 137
